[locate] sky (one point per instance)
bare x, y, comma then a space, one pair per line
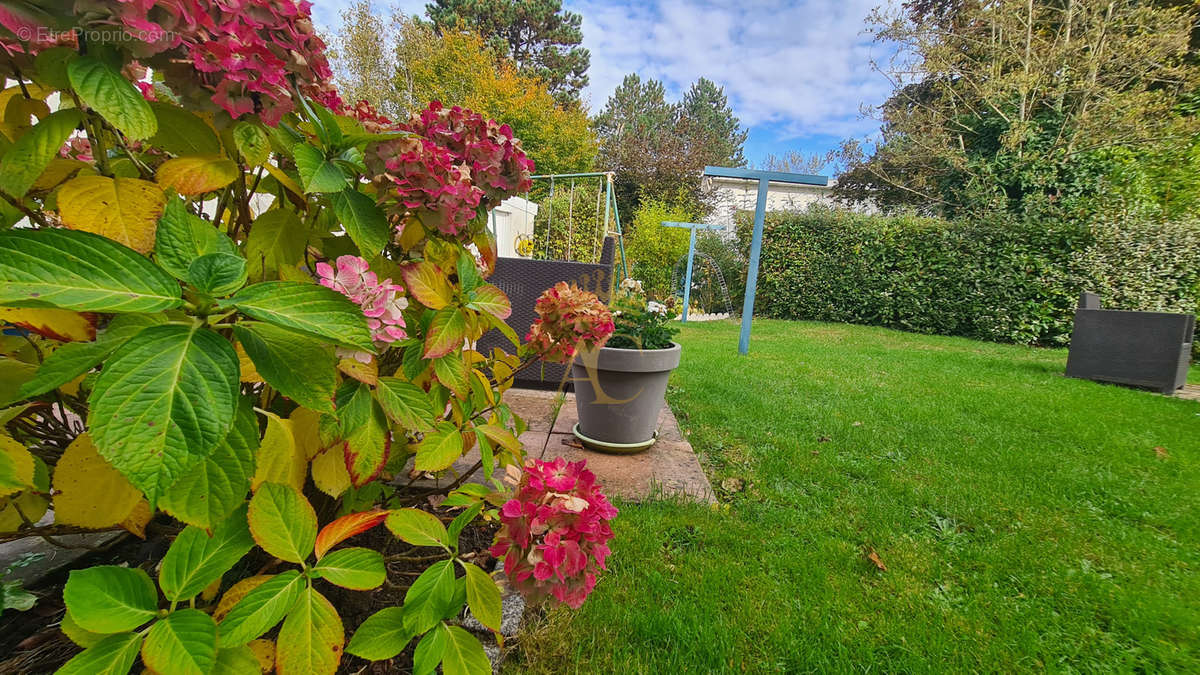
797, 74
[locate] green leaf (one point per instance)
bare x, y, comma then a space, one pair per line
33, 151
429, 652
110, 599
76, 358
490, 299
51, 66
208, 492
356, 568
104, 90
505, 329
283, 522
417, 527
364, 221
365, 430
276, 352
181, 238
81, 637
382, 636
462, 520
184, 643
430, 597
308, 308
162, 403
114, 655
252, 142
483, 596
261, 609
452, 371
468, 274
405, 403
463, 654
196, 559
317, 174
277, 240
312, 637
217, 274
182, 133
440, 448
14, 596
236, 661
81, 271
446, 332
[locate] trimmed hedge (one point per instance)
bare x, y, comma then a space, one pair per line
999, 280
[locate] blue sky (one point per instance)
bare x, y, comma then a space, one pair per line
796, 73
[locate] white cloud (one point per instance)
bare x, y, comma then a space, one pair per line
802, 67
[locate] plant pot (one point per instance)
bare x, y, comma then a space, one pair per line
619, 394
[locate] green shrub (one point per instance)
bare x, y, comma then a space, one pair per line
997, 279
654, 250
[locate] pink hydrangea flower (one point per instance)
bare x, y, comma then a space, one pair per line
568, 317
554, 533
382, 302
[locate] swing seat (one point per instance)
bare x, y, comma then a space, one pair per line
523, 280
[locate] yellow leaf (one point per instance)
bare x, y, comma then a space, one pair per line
137, 520
197, 175
306, 430
20, 464
58, 171
89, 492
284, 179
123, 209
279, 461
264, 651
33, 506
235, 594
249, 372
57, 324
329, 471
367, 373
209, 593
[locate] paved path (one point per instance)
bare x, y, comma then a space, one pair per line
1190, 392
669, 468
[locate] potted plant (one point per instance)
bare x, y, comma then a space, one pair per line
620, 386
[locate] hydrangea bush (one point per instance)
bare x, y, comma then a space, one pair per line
225, 291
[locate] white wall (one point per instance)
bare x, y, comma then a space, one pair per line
511, 219
730, 195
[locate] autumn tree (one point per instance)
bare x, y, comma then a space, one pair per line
541, 38
460, 68
1030, 106
364, 66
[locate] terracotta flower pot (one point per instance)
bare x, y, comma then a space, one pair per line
619, 394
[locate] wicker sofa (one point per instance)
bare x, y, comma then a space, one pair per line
1142, 349
523, 280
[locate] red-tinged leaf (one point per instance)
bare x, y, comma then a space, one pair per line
57, 324
488, 298
427, 283
365, 465
345, 527
446, 332
486, 243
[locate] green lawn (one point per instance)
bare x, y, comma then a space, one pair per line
1026, 520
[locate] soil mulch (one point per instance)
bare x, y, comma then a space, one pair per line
31, 642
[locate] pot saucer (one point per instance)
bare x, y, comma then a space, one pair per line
612, 448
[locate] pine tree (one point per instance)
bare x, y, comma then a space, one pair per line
709, 124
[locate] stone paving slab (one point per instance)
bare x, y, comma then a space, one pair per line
1190, 392
667, 468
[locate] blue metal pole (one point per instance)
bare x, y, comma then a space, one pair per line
687, 284
760, 212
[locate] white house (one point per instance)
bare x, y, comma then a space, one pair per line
730, 195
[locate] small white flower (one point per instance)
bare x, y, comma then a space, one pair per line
657, 308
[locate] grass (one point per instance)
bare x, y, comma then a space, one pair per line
1027, 521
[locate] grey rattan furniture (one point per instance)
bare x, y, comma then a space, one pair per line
1142, 349
523, 280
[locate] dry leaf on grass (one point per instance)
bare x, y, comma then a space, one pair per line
874, 558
